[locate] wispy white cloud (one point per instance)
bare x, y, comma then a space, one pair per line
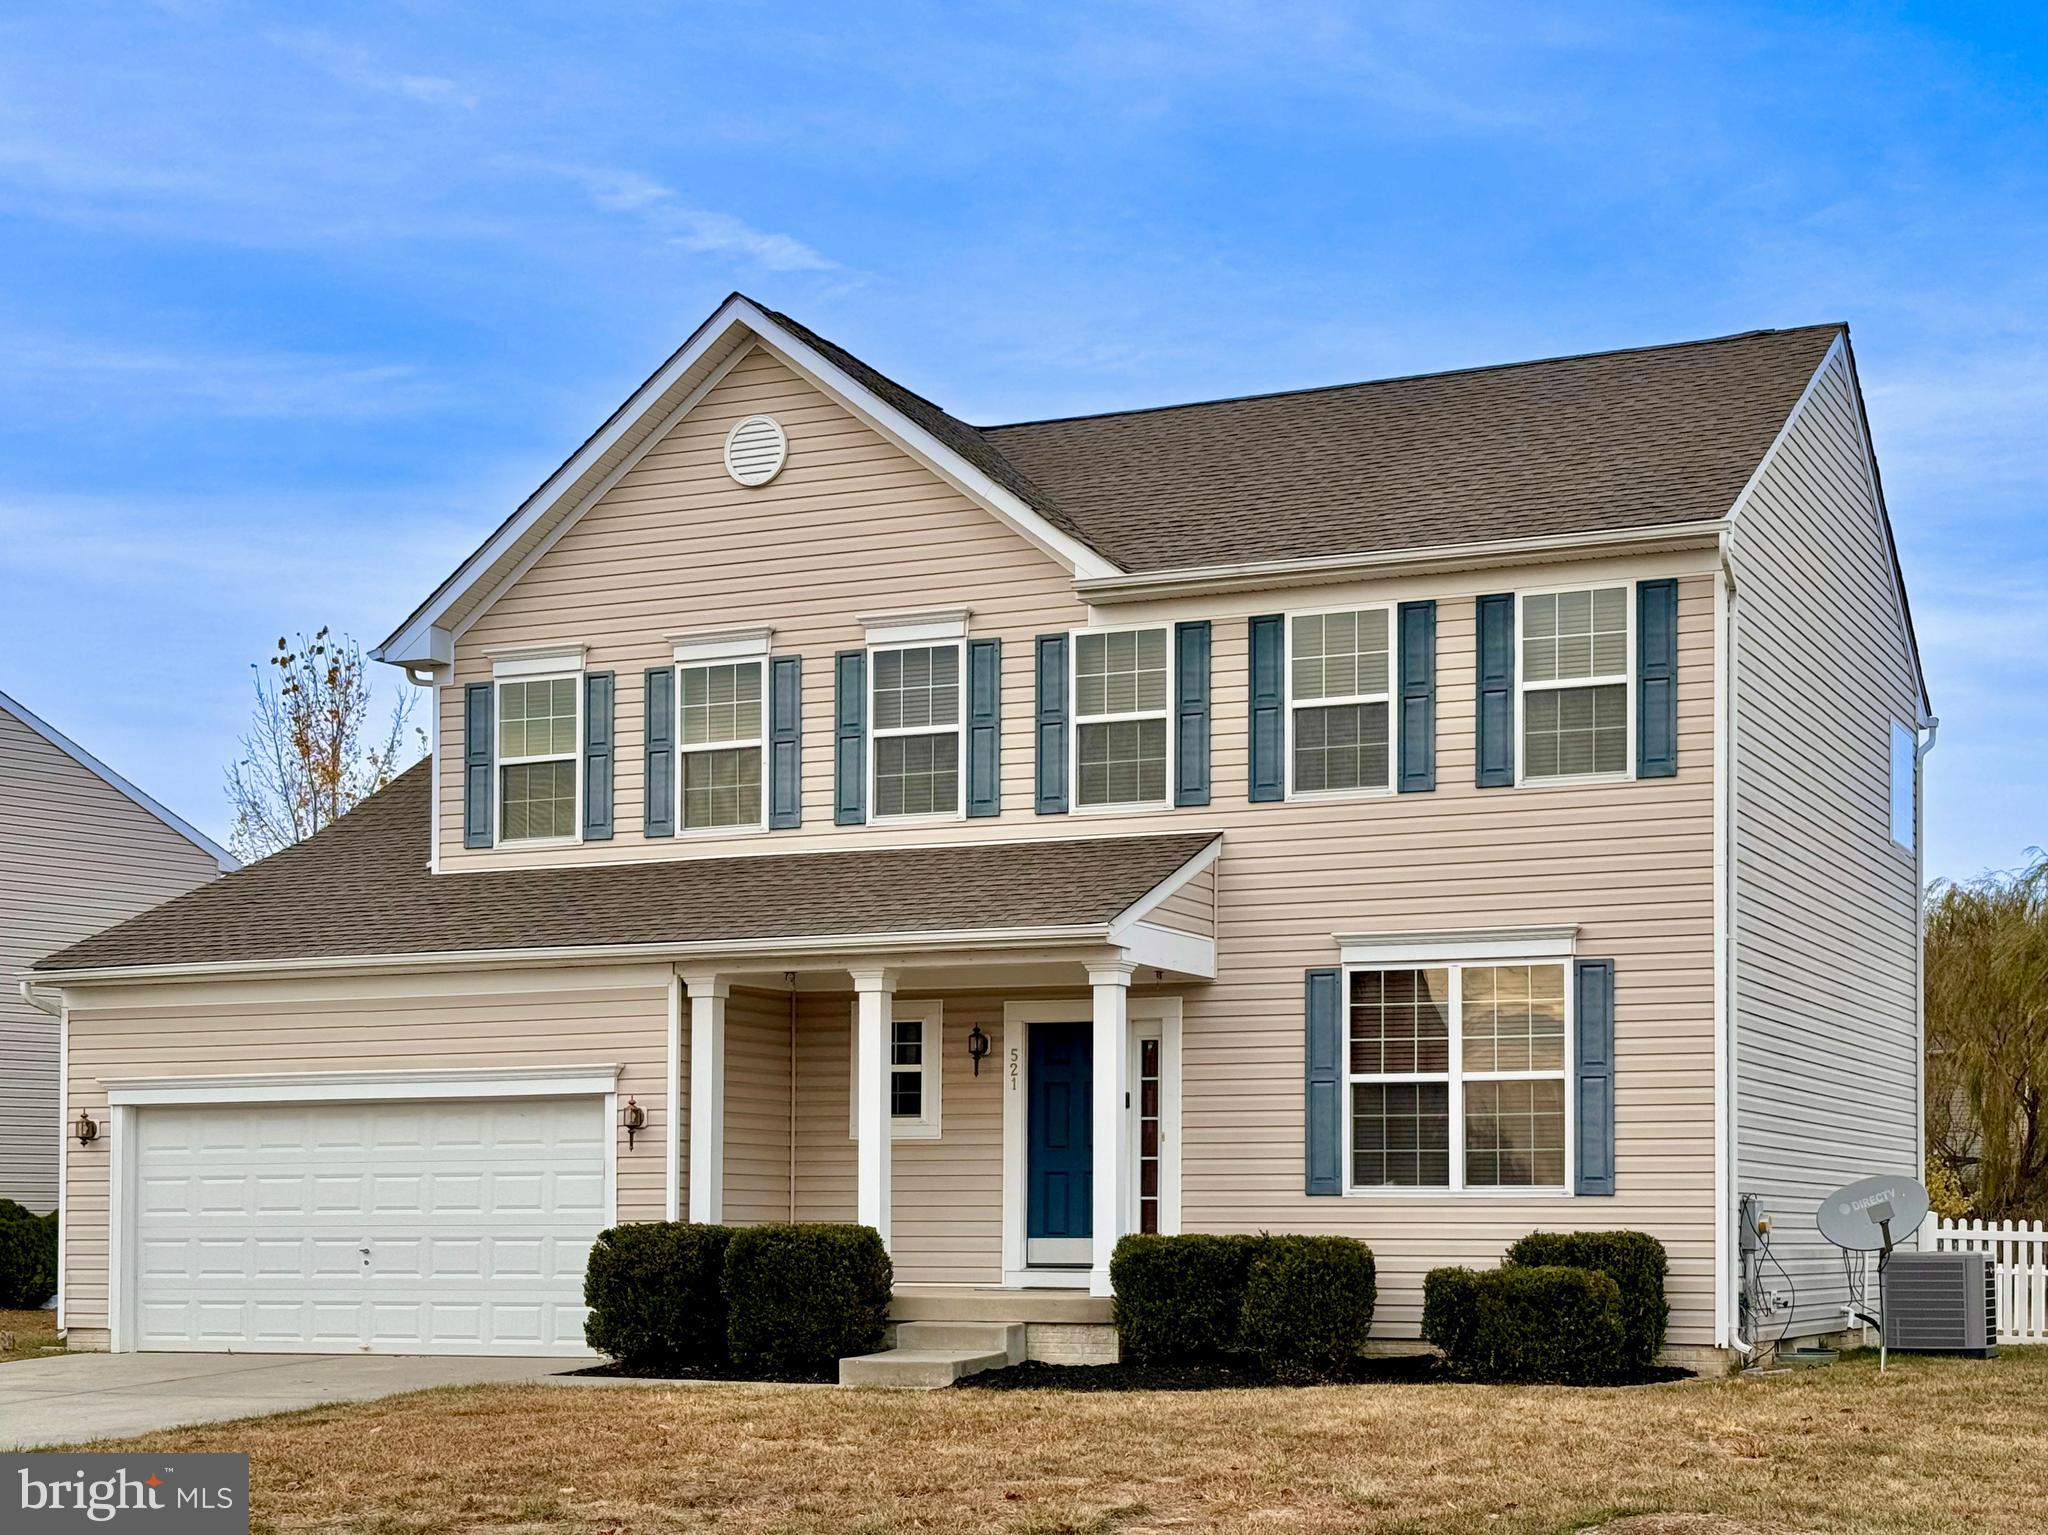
355, 66
664, 213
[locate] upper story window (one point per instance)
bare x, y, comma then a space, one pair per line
1456, 1077
1905, 775
1575, 683
720, 736
918, 712
538, 730
1120, 704
1339, 677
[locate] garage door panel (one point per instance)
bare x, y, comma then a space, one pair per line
251, 1226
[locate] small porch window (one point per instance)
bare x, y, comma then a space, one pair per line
915, 1069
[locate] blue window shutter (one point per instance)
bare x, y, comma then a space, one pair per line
1418, 698
785, 741
984, 727
1322, 1148
1656, 679
1051, 725
597, 757
1496, 723
659, 781
849, 737
476, 765
1594, 979
1268, 763
1191, 712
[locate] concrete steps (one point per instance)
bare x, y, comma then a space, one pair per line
928, 1355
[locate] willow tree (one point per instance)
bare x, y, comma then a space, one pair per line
1987, 1038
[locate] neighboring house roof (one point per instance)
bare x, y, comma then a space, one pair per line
360, 888
115, 781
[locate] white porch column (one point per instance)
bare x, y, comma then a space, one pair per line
1111, 984
707, 1094
876, 991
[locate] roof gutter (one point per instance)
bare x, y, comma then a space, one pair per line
1428, 559
833, 945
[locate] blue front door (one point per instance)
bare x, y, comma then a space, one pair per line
1060, 1181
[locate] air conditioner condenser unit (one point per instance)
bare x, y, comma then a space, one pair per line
1941, 1303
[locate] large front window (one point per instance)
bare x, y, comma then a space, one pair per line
1120, 698
1339, 675
917, 718
1457, 1077
537, 731
1575, 683
719, 733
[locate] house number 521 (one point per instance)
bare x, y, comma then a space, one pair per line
1016, 1067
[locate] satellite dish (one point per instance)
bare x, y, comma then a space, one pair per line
1873, 1214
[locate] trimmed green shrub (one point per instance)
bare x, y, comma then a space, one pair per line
655, 1293
1559, 1326
1307, 1304
1179, 1297
1634, 1260
800, 1298
28, 1258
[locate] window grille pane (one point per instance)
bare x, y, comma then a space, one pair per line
906, 1094
1340, 655
1344, 746
1120, 673
722, 788
720, 703
1575, 730
1400, 1022
1514, 1134
917, 775
916, 688
1122, 763
906, 1047
1400, 1134
1513, 1017
539, 801
537, 719
1567, 635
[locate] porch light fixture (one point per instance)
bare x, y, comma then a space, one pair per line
634, 1118
87, 1129
977, 1047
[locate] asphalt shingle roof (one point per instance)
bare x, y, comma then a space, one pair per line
361, 888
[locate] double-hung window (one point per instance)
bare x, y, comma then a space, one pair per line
918, 710
913, 1071
1574, 683
1120, 729
1456, 1077
539, 725
1339, 677
720, 740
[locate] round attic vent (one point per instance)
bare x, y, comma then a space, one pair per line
756, 450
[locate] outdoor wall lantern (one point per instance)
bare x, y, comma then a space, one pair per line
87, 1129
634, 1118
977, 1047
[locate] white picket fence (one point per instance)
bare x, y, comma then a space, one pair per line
2020, 1251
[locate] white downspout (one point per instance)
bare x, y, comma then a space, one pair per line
1727, 1240
1932, 726
27, 988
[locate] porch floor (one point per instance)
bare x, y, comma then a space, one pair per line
995, 1303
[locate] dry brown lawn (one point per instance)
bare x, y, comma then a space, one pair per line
27, 1335
1934, 1445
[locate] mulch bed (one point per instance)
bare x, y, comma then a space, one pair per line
828, 1376
1229, 1375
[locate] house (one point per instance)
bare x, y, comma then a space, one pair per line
82, 849
1426, 810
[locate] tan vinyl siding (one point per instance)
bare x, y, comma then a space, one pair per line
1190, 909
1825, 922
76, 856
947, 1216
757, 1108
601, 1016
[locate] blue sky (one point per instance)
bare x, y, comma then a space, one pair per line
297, 302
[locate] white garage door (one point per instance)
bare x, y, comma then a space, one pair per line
392, 1228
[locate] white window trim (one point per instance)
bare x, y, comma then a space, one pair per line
537, 667
1391, 698
1075, 721
1457, 1077
931, 1014
876, 734
720, 645
520, 662
892, 631
1627, 679
758, 660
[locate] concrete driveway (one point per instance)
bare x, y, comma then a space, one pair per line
75, 1398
